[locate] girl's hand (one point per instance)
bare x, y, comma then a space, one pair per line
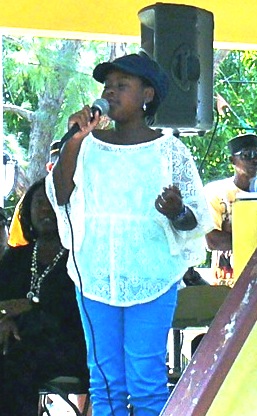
86, 121
169, 202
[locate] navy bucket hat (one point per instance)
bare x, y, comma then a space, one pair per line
138, 65
243, 141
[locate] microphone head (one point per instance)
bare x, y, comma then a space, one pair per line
102, 105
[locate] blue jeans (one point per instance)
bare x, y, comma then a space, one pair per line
126, 354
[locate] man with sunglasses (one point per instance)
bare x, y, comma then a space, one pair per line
221, 195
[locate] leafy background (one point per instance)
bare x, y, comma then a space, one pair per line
45, 80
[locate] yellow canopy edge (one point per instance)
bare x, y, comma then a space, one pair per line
115, 20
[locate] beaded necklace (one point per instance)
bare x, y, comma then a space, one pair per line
36, 278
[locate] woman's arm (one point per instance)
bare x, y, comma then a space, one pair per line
8, 330
14, 307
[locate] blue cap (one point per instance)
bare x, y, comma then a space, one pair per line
138, 65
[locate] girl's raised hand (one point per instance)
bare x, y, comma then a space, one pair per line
169, 202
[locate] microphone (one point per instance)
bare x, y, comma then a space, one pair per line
100, 105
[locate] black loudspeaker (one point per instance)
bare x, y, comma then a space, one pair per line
180, 39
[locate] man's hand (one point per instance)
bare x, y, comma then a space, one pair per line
219, 240
226, 226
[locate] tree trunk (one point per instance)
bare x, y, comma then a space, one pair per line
45, 119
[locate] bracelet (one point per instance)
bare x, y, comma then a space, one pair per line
180, 215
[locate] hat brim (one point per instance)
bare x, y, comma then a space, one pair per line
102, 70
240, 142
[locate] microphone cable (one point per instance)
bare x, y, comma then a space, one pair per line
210, 144
82, 300
86, 313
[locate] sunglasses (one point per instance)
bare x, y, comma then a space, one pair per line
247, 154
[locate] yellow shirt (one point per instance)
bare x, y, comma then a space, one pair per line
221, 195
16, 237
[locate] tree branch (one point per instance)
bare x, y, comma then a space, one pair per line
27, 114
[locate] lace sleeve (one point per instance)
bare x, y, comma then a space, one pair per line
185, 175
70, 217
62, 212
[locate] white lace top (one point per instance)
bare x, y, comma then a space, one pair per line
126, 252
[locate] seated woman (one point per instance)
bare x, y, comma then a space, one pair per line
41, 336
